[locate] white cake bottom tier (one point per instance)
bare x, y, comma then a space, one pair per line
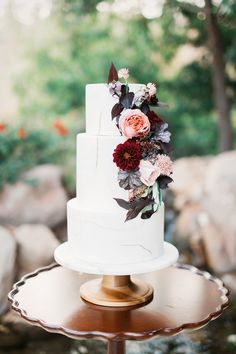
103, 237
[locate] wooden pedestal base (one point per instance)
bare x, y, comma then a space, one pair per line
116, 291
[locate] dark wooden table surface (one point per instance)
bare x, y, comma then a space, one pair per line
185, 298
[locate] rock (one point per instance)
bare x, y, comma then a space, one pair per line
220, 204
189, 174
220, 189
188, 232
188, 220
7, 266
17, 325
38, 198
36, 247
230, 281
216, 249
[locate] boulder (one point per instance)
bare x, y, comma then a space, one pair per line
188, 175
220, 204
188, 231
220, 190
7, 266
204, 191
38, 197
230, 281
36, 245
187, 221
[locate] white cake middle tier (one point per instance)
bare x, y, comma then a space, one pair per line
97, 174
99, 236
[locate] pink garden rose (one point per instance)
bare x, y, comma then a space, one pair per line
134, 123
148, 172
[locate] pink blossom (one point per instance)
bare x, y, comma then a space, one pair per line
123, 73
134, 123
164, 163
151, 89
148, 172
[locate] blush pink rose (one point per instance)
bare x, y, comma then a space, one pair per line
148, 172
134, 123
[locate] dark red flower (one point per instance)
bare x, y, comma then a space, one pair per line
60, 128
3, 127
154, 118
127, 155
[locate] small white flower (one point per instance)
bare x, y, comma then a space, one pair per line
123, 73
151, 89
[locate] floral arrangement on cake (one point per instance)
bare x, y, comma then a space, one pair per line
143, 160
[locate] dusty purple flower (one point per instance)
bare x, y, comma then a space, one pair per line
115, 88
129, 179
162, 134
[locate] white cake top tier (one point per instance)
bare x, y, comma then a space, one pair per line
99, 103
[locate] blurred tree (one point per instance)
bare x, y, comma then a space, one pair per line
211, 29
219, 81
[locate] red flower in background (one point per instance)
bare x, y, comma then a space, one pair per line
127, 156
21, 133
3, 127
60, 128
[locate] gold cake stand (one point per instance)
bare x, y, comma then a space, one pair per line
116, 291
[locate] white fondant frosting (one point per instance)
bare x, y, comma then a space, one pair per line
97, 183
97, 231
104, 237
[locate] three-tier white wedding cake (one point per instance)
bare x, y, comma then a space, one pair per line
98, 235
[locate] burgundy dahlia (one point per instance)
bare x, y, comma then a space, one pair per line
127, 156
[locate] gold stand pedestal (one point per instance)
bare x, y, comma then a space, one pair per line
116, 291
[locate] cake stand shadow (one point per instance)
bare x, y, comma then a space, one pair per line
185, 298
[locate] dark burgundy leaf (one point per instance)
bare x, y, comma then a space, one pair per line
116, 110
154, 118
127, 100
137, 206
141, 203
164, 181
123, 203
132, 213
153, 101
144, 107
147, 214
113, 75
166, 147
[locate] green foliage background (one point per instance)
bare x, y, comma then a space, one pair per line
76, 45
